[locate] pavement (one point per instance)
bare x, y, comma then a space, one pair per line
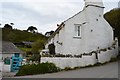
109, 70
8, 74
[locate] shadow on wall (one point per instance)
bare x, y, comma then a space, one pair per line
51, 48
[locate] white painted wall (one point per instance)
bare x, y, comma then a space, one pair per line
102, 34
3, 67
106, 56
0, 70
81, 62
94, 33
60, 38
6, 68
74, 45
1, 63
70, 62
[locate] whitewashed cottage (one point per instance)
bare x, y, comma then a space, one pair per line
84, 32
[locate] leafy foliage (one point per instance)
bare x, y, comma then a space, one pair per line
32, 29
38, 45
35, 57
7, 26
68, 68
25, 49
113, 18
37, 69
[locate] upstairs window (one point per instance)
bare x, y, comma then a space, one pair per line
77, 30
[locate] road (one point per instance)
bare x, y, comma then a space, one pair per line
109, 70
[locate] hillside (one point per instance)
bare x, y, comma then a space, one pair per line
19, 36
113, 18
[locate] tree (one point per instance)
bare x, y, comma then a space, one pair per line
113, 18
32, 29
7, 26
12, 24
37, 46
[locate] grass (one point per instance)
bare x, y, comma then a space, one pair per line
25, 49
19, 36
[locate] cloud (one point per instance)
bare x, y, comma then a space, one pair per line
39, 14
44, 14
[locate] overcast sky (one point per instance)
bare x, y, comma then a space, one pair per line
43, 14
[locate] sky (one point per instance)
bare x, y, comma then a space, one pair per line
43, 14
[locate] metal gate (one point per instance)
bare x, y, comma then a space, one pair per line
16, 62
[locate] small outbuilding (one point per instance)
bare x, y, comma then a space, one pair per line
7, 51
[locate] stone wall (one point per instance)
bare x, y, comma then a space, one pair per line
85, 60
70, 62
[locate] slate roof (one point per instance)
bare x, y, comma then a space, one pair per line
9, 47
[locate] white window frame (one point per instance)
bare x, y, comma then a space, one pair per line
77, 31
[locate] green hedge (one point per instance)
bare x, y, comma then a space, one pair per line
37, 69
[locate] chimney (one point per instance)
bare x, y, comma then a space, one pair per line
98, 3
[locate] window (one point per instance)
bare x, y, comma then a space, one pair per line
77, 30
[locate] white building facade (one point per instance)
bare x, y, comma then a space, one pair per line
85, 32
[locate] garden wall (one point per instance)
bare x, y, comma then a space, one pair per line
106, 56
85, 60
4, 68
1, 66
70, 62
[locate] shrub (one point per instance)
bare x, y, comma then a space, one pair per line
76, 68
113, 59
35, 57
68, 68
41, 68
